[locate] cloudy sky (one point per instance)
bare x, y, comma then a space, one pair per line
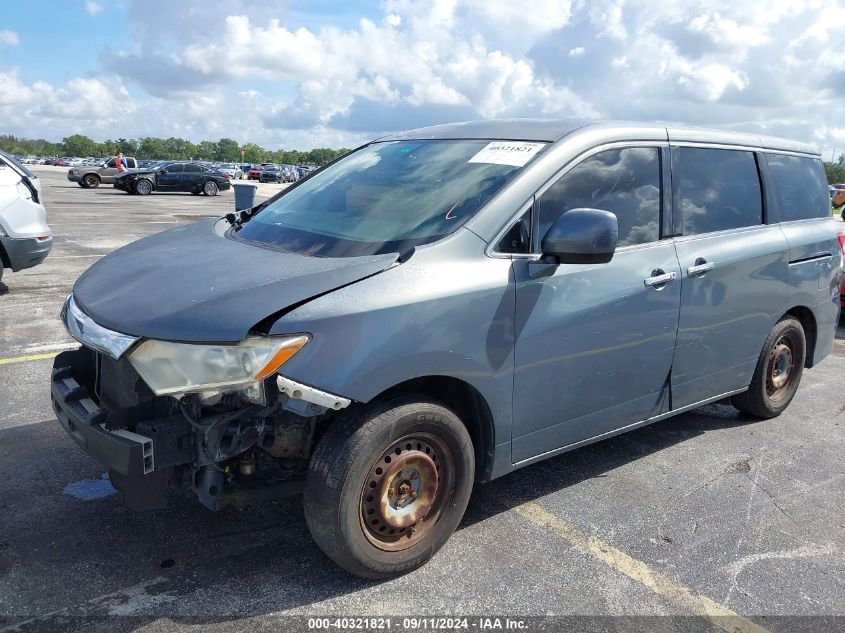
303, 74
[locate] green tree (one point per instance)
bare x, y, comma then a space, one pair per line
835, 171
253, 153
205, 150
227, 150
78, 145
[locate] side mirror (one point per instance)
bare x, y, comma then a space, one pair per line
582, 236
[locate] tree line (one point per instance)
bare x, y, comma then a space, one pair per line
225, 150
835, 171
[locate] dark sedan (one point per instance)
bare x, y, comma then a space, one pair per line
188, 177
271, 173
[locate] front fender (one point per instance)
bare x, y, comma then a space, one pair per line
431, 316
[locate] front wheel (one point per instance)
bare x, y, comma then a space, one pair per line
91, 181
387, 485
778, 372
143, 187
210, 188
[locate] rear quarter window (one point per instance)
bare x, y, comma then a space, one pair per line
800, 186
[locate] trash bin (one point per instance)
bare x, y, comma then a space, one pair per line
244, 195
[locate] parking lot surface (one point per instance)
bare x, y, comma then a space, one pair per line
705, 514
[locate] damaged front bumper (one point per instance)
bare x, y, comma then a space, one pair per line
227, 452
121, 451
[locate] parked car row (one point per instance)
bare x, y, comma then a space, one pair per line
278, 173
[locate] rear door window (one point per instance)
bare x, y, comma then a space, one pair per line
800, 185
625, 182
717, 189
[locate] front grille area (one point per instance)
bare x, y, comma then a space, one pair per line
118, 384
124, 394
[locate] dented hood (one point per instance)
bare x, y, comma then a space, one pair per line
193, 284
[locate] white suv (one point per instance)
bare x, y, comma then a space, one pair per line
25, 238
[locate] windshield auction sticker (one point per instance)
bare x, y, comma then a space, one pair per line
515, 153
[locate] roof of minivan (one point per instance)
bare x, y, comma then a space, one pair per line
551, 130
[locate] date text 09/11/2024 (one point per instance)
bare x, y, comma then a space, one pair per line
416, 623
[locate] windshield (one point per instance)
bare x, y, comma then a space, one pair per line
387, 197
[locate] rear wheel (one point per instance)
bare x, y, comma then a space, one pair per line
143, 187
91, 181
388, 485
210, 188
778, 372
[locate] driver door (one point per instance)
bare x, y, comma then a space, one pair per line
168, 178
594, 342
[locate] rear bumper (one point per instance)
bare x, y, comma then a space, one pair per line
25, 252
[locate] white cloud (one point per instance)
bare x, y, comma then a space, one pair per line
242, 69
93, 8
10, 38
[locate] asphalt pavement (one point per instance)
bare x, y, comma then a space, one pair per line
709, 514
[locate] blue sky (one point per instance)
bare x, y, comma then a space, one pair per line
314, 73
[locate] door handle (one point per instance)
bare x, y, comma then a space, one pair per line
701, 268
659, 279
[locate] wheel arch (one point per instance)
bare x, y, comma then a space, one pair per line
808, 321
468, 404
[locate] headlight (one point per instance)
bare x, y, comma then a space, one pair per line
170, 368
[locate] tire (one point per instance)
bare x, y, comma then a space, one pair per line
210, 188
82, 184
358, 453
91, 181
143, 187
778, 372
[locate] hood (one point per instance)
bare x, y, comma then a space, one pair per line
193, 284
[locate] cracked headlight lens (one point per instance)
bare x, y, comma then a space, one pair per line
171, 368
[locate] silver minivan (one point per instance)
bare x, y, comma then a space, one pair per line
440, 307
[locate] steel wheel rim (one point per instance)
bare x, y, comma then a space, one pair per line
406, 491
780, 369
210, 188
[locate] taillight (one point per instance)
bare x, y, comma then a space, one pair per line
841, 237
